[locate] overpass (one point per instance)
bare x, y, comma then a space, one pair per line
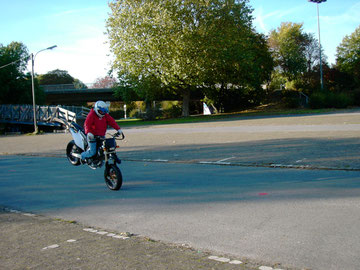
67, 94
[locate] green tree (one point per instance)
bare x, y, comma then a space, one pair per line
58, 76
296, 55
186, 45
288, 45
15, 85
348, 55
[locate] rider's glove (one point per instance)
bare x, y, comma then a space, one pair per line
118, 133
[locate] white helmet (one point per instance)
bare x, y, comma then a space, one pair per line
101, 108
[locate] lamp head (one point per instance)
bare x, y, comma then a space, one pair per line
52, 47
317, 1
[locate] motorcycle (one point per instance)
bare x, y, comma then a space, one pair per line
106, 153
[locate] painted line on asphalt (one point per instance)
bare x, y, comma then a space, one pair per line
256, 165
227, 260
123, 236
225, 159
260, 165
126, 235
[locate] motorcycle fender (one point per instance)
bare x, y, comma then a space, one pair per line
113, 160
78, 139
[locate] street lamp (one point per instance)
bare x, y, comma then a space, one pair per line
32, 84
321, 71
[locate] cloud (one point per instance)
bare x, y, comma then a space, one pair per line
79, 35
350, 17
86, 59
259, 21
266, 22
335, 28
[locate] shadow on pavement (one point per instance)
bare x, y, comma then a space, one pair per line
313, 152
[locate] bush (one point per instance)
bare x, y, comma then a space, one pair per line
317, 100
328, 99
173, 112
356, 97
117, 114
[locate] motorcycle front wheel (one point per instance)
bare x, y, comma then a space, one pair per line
70, 149
113, 177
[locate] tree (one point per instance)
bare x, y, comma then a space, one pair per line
288, 45
348, 55
183, 43
58, 76
297, 58
15, 85
236, 59
105, 82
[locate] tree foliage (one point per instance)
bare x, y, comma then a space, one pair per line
15, 84
105, 82
348, 55
187, 45
297, 58
58, 76
288, 45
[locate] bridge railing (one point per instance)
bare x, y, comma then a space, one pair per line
45, 115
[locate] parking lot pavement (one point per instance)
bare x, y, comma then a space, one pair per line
327, 141
323, 141
30, 241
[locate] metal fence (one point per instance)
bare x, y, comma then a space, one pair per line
45, 115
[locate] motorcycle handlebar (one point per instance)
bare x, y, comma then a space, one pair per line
116, 136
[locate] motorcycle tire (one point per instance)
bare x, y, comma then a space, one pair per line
113, 177
72, 148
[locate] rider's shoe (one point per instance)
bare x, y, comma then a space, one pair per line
84, 161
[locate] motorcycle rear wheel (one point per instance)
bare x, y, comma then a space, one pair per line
113, 177
72, 148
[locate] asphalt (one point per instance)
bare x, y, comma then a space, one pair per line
29, 241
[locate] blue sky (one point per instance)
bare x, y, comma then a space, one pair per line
77, 27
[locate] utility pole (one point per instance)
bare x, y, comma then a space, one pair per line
321, 71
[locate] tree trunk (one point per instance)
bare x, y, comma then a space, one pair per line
149, 111
186, 103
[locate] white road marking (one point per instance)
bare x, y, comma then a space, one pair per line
235, 262
102, 232
120, 237
222, 259
268, 268
225, 159
265, 268
107, 233
29, 214
52, 246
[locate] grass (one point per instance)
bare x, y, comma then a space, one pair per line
260, 111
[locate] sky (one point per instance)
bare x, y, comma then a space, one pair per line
78, 28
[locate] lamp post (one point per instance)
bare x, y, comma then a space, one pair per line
32, 84
321, 71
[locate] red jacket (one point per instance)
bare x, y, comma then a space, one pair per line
97, 125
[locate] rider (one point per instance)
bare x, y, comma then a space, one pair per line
95, 125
